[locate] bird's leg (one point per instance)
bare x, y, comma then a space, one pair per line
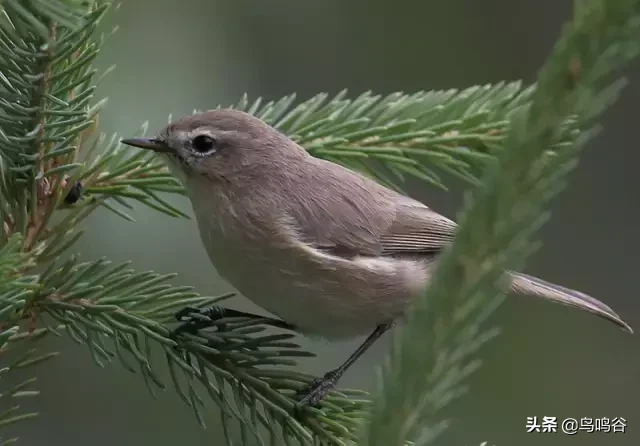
314, 392
195, 319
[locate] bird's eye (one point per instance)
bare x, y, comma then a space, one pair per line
203, 143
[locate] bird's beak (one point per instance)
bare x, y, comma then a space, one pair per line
148, 143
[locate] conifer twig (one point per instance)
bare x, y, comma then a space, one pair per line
496, 229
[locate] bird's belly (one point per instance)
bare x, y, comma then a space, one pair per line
332, 301
316, 313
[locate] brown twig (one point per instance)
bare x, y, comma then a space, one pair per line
37, 218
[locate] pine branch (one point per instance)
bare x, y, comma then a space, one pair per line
120, 314
15, 288
48, 124
46, 116
44, 108
122, 174
399, 135
496, 231
24, 389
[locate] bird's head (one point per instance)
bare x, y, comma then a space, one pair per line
220, 145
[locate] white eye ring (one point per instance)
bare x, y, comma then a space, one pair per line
203, 144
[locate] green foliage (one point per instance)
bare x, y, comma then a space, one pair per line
48, 126
15, 289
400, 135
496, 231
49, 143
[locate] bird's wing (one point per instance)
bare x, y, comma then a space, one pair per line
401, 227
416, 229
351, 215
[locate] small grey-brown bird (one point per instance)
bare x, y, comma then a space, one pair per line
328, 250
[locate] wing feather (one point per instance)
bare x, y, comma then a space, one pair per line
416, 229
352, 215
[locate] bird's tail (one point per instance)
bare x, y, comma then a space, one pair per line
532, 286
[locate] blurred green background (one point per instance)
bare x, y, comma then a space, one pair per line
550, 361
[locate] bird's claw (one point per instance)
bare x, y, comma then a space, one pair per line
194, 319
191, 314
185, 313
312, 394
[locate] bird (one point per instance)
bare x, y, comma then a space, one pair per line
330, 252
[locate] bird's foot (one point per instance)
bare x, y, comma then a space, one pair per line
198, 318
312, 394
194, 319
